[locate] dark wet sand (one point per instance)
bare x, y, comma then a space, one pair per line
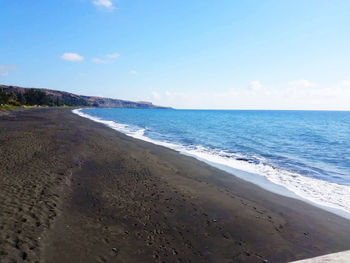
72, 190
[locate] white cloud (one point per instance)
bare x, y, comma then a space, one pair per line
100, 61
301, 83
113, 56
133, 72
255, 96
255, 85
5, 70
74, 57
156, 95
109, 59
104, 3
345, 83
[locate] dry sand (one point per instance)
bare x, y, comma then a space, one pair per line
72, 190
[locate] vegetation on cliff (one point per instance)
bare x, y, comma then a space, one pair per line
37, 97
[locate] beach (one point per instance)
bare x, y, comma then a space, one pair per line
74, 190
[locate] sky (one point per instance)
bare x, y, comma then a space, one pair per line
191, 54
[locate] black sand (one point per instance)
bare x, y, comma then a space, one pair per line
72, 190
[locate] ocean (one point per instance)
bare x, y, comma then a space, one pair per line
306, 153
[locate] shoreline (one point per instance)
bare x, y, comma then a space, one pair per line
272, 187
101, 196
251, 177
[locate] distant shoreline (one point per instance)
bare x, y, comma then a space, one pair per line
80, 191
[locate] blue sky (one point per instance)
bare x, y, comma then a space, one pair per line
234, 54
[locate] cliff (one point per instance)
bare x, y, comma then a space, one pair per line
30, 96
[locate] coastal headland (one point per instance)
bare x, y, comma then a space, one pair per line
73, 190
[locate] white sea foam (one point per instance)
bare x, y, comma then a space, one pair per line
318, 191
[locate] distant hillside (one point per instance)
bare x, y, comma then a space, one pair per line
30, 96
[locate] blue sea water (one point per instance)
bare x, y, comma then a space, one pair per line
306, 152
